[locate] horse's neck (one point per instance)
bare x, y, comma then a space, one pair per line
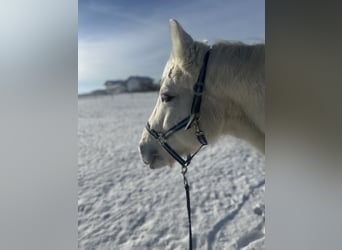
237, 74
236, 79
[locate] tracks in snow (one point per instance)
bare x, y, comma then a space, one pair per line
246, 239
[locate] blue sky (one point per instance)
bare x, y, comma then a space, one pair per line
122, 38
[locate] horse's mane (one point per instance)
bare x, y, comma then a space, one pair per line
240, 51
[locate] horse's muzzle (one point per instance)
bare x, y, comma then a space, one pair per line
146, 153
151, 156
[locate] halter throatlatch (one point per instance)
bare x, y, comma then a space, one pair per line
188, 122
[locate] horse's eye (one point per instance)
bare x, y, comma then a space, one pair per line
166, 97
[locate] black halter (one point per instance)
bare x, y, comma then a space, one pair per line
192, 119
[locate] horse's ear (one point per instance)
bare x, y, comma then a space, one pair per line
181, 41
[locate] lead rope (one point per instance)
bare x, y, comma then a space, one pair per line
187, 192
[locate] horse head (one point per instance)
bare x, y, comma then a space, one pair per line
175, 100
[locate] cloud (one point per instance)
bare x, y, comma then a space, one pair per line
120, 56
138, 42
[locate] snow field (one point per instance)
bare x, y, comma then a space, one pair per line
122, 204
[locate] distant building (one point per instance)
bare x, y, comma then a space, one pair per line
132, 84
116, 86
139, 83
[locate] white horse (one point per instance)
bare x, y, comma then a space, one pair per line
232, 101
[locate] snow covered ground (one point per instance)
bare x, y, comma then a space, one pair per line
124, 205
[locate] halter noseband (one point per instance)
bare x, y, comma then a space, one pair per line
192, 119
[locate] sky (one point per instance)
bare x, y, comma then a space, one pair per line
117, 39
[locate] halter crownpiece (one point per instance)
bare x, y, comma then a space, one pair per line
192, 119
